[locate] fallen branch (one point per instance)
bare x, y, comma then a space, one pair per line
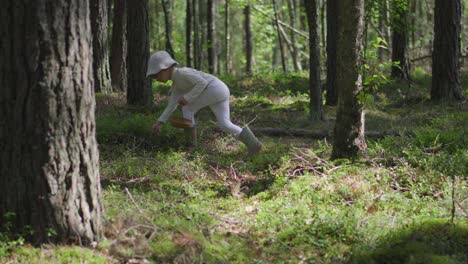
297, 132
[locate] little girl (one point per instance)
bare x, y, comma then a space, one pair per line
195, 90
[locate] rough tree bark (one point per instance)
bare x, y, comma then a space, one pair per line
139, 90
49, 173
349, 138
446, 54
315, 87
99, 26
118, 57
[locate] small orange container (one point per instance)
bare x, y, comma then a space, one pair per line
180, 122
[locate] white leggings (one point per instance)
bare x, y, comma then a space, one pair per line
216, 96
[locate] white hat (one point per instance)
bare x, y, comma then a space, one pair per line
160, 60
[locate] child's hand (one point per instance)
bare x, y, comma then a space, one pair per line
156, 129
182, 101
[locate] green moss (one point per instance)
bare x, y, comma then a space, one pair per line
432, 241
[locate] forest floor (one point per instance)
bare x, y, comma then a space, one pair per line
405, 201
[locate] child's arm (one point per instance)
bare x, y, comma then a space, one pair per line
171, 106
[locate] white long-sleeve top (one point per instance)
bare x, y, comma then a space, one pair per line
186, 82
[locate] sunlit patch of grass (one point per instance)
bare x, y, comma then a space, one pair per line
57, 254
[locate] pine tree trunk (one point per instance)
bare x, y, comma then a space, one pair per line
139, 90
202, 7
188, 33
99, 28
211, 38
280, 41
446, 55
303, 27
382, 52
196, 36
295, 52
168, 24
315, 86
228, 38
400, 40
323, 26
118, 59
332, 35
349, 138
248, 41
49, 172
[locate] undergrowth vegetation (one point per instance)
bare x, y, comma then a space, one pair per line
405, 201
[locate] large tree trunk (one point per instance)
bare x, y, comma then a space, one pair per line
211, 38
118, 59
332, 36
400, 40
101, 69
49, 172
188, 33
139, 90
315, 86
446, 54
168, 23
349, 138
248, 41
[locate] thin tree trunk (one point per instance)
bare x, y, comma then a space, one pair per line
295, 53
248, 41
349, 138
202, 8
315, 87
118, 58
412, 4
228, 38
303, 27
168, 23
382, 52
188, 33
332, 37
323, 23
49, 170
196, 36
101, 69
446, 55
280, 41
211, 37
139, 90
400, 40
